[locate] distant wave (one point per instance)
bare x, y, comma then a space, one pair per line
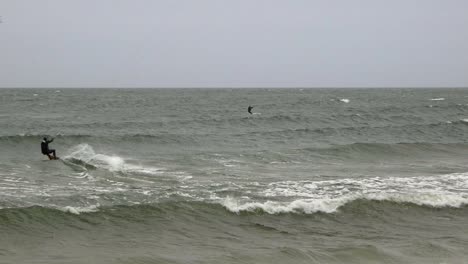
353, 123
356, 150
38, 137
413, 130
74, 138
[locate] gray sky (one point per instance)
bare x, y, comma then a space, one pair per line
233, 43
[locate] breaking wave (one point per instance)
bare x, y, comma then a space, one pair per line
332, 205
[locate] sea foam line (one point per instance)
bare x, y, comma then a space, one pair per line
78, 210
332, 205
449, 190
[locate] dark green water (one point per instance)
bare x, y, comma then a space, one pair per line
188, 176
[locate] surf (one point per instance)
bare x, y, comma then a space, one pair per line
84, 156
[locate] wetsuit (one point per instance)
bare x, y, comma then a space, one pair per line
250, 109
45, 148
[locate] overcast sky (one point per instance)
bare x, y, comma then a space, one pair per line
234, 43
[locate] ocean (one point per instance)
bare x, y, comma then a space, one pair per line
189, 176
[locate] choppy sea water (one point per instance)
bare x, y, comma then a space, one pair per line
188, 176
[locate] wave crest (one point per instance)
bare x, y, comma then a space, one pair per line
332, 205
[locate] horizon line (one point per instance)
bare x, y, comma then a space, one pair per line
259, 87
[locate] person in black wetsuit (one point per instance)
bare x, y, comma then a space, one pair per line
45, 148
249, 109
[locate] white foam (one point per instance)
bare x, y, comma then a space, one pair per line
78, 210
142, 170
437, 200
185, 178
331, 205
307, 206
86, 154
344, 100
437, 99
228, 162
449, 190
